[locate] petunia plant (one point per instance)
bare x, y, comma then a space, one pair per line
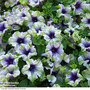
45, 43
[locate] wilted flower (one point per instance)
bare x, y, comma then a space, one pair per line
20, 38
73, 77
33, 69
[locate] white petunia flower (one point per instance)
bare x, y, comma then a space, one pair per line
19, 38
33, 69
26, 51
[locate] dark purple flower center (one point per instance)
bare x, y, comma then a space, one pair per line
71, 32
38, 29
9, 60
26, 52
51, 35
2, 27
23, 15
32, 68
55, 73
11, 72
74, 76
36, 1
54, 50
87, 44
34, 19
63, 63
20, 40
12, 78
88, 21
63, 11
63, 24
78, 5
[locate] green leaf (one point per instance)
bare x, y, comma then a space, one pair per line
23, 83
21, 63
84, 84
40, 49
24, 2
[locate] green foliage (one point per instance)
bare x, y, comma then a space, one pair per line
23, 83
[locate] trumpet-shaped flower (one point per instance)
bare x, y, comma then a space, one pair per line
79, 6
20, 38
63, 11
10, 71
53, 50
26, 50
73, 77
37, 28
9, 59
35, 17
33, 69
64, 60
52, 33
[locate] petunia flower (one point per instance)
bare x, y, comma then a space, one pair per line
35, 17
70, 30
10, 71
79, 6
52, 33
26, 50
85, 44
53, 50
19, 38
63, 11
86, 20
8, 59
37, 29
3, 28
64, 60
73, 77
85, 59
33, 69
34, 3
